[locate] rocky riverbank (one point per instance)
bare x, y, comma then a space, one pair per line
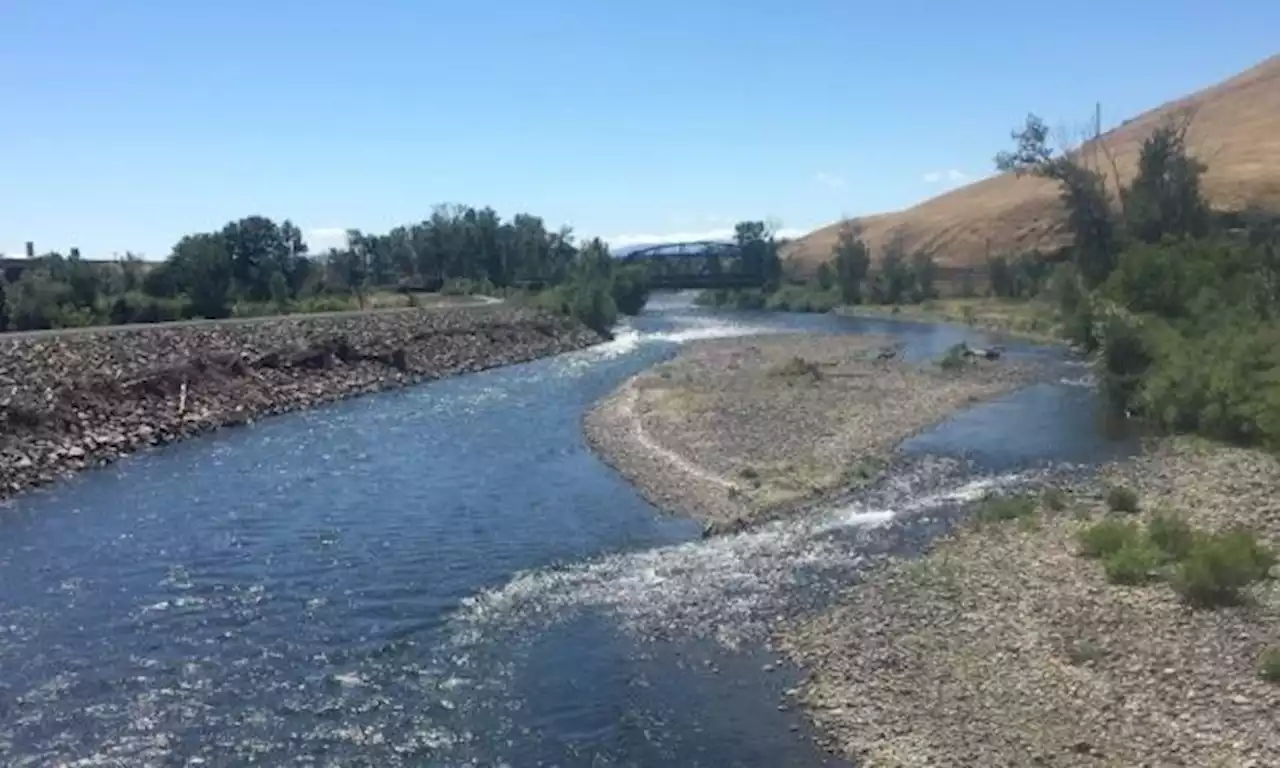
735, 431
82, 399
1004, 647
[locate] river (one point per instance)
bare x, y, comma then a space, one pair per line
446, 575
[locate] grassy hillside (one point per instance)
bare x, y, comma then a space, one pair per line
1236, 131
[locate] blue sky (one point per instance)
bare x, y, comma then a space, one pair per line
129, 123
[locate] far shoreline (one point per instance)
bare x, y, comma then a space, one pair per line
87, 398
1013, 318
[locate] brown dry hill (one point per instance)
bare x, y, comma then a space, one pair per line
1235, 131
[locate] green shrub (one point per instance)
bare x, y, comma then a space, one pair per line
134, 307
1219, 566
1122, 499
1106, 537
326, 303
1172, 535
1000, 508
587, 299
35, 301
1269, 664
1054, 498
1127, 354
1135, 562
798, 367
956, 357
803, 298
1085, 651
630, 289
1217, 379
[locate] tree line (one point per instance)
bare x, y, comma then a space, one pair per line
255, 265
1180, 303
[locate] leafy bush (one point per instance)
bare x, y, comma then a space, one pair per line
1269, 664
1122, 499
135, 307
1219, 566
325, 303
630, 289
1054, 498
956, 357
1084, 652
1106, 537
1222, 382
35, 301
1001, 508
803, 298
1172, 535
587, 299
1135, 562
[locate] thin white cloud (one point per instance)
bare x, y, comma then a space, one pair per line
950, 176
726, 233
830, 180
321, 239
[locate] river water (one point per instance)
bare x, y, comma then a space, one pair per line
447, 576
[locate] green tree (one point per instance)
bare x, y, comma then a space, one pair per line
853, 260
280, 291
630, 289
1165, 198
1000, 276
924, 273
895, 282
84, 280
257, 248
1083, 192
826, 277
206, 273
132, 273
35, 301
759, 252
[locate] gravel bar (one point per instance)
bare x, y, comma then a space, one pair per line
1003, 647
737, 431
71, 401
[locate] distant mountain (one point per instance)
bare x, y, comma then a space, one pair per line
1235, 131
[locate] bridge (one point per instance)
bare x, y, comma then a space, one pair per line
703, 264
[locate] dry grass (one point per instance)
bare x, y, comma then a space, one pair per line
1236, 131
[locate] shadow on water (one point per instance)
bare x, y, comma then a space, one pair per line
446, 575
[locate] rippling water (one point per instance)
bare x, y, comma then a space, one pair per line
447, 576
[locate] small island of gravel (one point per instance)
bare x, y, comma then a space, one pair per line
737, 431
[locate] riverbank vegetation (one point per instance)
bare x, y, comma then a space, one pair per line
1180, 304
256, 266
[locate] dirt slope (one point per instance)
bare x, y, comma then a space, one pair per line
1236, 131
